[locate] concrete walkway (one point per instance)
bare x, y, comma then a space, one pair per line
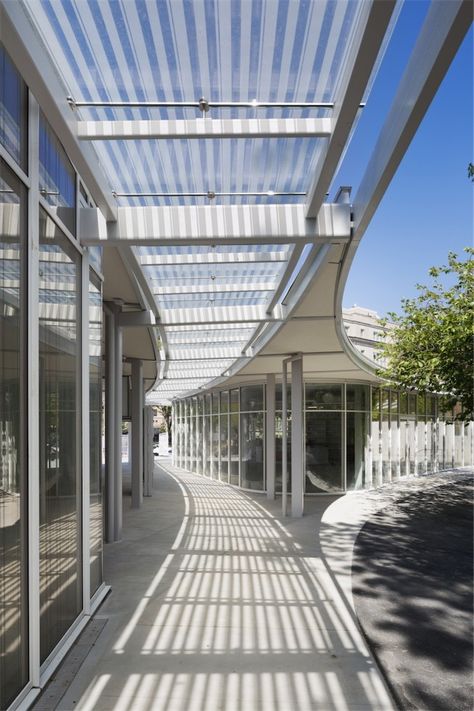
218, 603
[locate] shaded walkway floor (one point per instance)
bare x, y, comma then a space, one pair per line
218, 605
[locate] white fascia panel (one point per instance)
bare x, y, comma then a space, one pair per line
222, 224
204, 128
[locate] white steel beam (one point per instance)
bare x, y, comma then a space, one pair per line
217, 314
210, 224
444, 29
154, 260
374, 21
211, 288
205, 128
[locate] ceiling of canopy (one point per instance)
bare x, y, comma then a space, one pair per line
225, 51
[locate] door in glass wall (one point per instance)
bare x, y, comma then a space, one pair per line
234, 448
224, 448
95, 419
13, 474
60, 428
215, 446
207, 445
323, 452
356, 450
252, 448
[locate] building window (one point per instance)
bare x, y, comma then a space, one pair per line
13, 111
57, 179
13, 465
60, 435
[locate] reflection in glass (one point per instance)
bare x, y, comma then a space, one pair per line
323, 397
13, 513
323, 452
60, 480
13, 110
357, 397
224, 447
279, 450
234, 448
57, 179
251, 398
207, 445
215, 446
252, 444
356, 444
95, 418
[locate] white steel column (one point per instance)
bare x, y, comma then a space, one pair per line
33, 394
297, 438
137, 433
270, 436
284, 437
148, 451
110, 434
85, 423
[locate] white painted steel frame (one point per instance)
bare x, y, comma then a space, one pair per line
188, 225
204, 128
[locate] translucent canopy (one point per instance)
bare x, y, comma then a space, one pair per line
211, 299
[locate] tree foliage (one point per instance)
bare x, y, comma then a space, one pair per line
431, 347
165, 410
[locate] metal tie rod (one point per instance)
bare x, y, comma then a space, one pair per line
204, 105
211, 194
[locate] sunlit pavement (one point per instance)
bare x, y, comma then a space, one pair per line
217, 604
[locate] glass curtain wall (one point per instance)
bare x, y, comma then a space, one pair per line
357, 436
60, 428
279, 437
252, 440
324, 470
13, 466
95, 419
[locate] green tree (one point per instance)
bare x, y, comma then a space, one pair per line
165, 410
431, 347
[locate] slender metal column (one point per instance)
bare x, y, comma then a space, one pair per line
270, 436
137, 433
284, 438
118, 428
297, 438
33, 396
148, 451
109, 426
85, 427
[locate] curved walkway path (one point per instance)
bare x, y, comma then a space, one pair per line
217, 604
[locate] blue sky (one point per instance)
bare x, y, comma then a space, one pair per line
428, 208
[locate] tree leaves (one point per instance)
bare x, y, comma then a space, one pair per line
431, 347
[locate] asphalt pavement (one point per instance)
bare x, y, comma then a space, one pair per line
412, 585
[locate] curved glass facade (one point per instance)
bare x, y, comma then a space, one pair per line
357, 436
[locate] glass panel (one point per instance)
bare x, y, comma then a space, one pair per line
207, 404
95, 402
200, 405
386, 468
411, 434
215, 446
234, 448
420, 446
403, 403
357, 436
192, 442
251, 398
421, 404
323, 452
224, 401
57, 179
357, 397
234, 400
278, 396
224, 447
404, 457
323, 397
279, 450
207, 446
252, 443
13, 475
60, 456
13, 110
199, 445
458, 444
215, 403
